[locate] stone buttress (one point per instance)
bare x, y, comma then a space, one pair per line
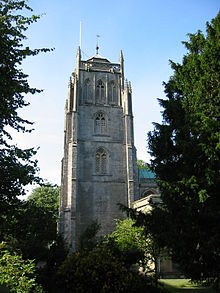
99, 163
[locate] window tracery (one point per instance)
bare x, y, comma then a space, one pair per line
100, 123
112, 97
87, 90
100, 91
101, 161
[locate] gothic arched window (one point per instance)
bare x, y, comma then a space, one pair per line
101, 161
87, 90
112, 93
100, 91
100, 123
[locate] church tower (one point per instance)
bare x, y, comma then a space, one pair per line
99, 163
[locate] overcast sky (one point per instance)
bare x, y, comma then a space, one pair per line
149, 32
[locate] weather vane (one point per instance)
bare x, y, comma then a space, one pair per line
97, 44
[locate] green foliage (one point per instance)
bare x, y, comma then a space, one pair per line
127, 236
33, 232
142, 165
135, 240
106, 265
130, 241
33, 227
46, 196
56, 255
99, 270
15, 273
17, 168
14, 22
186, 158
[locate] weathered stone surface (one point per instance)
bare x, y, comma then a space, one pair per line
99, 164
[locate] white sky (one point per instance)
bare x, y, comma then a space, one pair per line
149, 32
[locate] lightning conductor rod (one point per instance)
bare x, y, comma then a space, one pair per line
80, 34
97, 44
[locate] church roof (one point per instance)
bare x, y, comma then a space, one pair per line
146, 173
98, 58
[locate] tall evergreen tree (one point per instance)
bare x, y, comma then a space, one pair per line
17, 167
186, 158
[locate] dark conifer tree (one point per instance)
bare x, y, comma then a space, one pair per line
186, 158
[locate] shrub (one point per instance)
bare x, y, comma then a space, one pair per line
17, 274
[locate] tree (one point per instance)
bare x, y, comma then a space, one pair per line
136, 243
106, 265
142, 165
46, 196
56, 255
32, 232
16, 274
100, 270
17, 166
185, 150
129, 240
33, 227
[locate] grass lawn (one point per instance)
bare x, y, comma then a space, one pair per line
184, 286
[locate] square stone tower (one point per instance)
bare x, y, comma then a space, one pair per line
99, 163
